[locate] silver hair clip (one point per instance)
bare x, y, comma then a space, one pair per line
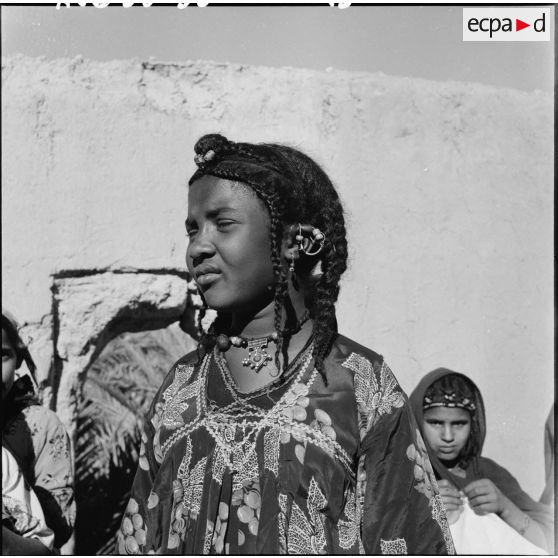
201, 160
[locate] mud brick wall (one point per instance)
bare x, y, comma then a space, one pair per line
448, 188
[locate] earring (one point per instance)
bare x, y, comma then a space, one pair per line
317, 236
293, 274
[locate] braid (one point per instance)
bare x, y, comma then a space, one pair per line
272, 203
201, 332
334, 264
276, 234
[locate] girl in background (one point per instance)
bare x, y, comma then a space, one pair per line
35, 436
449, 408
278, 435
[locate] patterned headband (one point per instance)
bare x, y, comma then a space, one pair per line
452, 400
235, 161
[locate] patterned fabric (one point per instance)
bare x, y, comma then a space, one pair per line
39, 442
300, 467
21, 511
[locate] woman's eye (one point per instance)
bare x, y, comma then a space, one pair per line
224, 224
191, 232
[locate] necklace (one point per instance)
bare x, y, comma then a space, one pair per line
258, 357
301, 359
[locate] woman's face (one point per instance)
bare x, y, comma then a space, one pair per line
229, 253
446, 430
9, 364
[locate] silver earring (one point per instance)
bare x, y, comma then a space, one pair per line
292, 265
317, 237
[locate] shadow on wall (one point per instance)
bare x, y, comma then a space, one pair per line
91, 307
116, 394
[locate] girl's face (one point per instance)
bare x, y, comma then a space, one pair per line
446, 430
229, 253
9, 364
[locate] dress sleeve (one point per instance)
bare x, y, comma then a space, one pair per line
140, 531
402, 511
53, 472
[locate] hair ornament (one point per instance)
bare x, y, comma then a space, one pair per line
451, 400
202, 158
310, 246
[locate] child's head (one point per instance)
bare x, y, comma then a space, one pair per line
262, 192
12, 354
448, 424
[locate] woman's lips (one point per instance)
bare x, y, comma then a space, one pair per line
206, 279
446, 450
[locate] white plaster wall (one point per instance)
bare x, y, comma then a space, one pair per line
448, 189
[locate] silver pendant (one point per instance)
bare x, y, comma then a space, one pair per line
258, 357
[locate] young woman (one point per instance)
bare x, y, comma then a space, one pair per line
278, 435
35, 437
449, 408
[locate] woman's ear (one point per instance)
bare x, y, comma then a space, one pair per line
290, 246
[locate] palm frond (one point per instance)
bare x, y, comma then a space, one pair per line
117, 392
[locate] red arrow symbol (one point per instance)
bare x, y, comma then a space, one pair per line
519, 25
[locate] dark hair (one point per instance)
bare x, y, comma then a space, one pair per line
294, 189
14, 339
461, 393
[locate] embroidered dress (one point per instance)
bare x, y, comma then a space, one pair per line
298, 467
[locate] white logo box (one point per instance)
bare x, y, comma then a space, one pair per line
505, 24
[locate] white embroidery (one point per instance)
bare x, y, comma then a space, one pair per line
175, 399
349, 530
439, 515
271, 450
426, 484
218, 467
305, 535
375, 395
209, 530
395, 546
245, 466
192, 482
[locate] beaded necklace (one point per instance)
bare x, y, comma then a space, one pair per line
230, 384
258, 357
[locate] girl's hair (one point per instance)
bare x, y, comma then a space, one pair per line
456, 391
294, 189
10, 327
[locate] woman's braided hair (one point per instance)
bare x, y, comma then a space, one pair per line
295, 189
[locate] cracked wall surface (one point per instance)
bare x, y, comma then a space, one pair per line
448, 190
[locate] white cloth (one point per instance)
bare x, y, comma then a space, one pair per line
20, 505
488, 534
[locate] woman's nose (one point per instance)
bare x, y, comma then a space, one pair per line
200, 246
447, 433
